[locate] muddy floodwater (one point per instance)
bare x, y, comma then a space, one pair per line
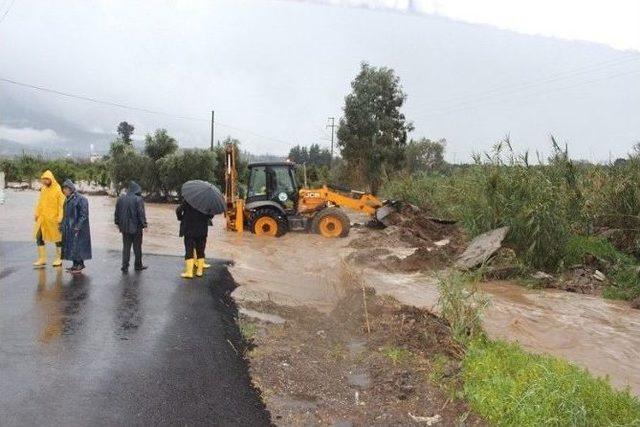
299, 269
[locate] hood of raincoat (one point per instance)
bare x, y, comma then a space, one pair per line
70, 185
134, 188
49, 175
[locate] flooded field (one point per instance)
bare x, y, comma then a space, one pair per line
298, 269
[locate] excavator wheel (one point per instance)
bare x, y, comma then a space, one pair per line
267, 222
331, 222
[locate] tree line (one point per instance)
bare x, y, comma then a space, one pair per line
160, 167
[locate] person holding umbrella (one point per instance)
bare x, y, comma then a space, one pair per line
201, 201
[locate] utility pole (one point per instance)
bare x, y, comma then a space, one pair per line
332, 126
212, 122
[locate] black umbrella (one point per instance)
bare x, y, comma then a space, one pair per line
204, 197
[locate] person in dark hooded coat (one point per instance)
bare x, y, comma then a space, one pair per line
131, 220
76, 234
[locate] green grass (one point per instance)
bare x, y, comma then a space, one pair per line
249, 330
578, 246
396, 354
510, 387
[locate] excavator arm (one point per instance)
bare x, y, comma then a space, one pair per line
312, 199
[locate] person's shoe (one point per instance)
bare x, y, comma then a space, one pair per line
76, 269
141, 267
200, 267
42, 257
188, 269
124, 269
204, 264
58, 261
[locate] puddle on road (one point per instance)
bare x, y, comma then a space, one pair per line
298, 269
359, 379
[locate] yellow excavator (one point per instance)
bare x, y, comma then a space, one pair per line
274, 203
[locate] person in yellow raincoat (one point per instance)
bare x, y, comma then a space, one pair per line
48, 216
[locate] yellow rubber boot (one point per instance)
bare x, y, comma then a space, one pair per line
200, 267
188, 269
58, 261
42, 257
204, 264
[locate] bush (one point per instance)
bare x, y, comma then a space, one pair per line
129, 166
510, 387
185, 165
504, 190
461, 306
63, 169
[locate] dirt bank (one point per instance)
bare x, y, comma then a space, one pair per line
388, 365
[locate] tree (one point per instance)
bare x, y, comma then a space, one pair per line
424, 154
120, 148
159, 145
373, 132
319, 156
298, 155
185, 165
125, 130
63, 169
29, 167
314, 155
127, 167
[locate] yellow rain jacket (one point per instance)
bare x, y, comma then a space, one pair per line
49, 210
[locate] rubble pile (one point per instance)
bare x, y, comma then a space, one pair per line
412, 241
582, 280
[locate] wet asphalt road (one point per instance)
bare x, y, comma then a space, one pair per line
107, 349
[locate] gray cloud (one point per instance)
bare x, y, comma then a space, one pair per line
277, 70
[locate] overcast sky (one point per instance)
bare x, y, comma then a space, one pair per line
274, 71
612, 22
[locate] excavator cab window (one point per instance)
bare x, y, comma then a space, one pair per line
282, 185
274, 183
258, 183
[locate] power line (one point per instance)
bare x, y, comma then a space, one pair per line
140, 109
542, 92
6, 12
517, 87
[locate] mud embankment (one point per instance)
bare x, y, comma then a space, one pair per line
370, 361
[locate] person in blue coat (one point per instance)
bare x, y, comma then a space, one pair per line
76, 234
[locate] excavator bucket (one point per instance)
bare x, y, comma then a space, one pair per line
382, 213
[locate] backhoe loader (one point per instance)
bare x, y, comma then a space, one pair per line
274, 203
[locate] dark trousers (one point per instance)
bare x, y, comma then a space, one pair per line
135, 240
40, 240
194, 243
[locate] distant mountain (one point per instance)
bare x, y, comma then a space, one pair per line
72, 140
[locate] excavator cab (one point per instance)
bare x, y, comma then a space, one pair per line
273, 182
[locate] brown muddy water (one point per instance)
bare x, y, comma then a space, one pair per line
299, 269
